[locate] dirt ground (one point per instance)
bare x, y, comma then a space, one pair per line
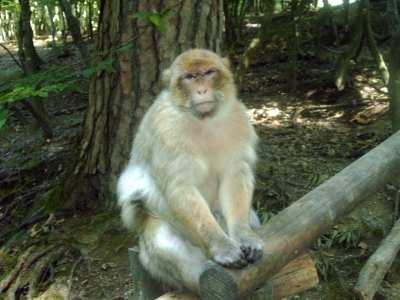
306, 136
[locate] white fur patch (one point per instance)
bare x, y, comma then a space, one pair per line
135, 183
167, 240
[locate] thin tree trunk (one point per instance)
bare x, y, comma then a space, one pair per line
90, 19
373, 47
346, 13
118, 99
50, 11
27, 52
353, 49
394, 82
31, 63
75, 29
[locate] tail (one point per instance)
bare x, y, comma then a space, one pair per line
134, 186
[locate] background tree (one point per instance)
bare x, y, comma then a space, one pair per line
26, 50
75, 28
394, 82
136, 41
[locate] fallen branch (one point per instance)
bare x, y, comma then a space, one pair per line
378, 264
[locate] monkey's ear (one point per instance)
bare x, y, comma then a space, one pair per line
226, 62
166, 77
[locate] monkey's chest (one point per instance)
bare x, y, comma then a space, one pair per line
217, 162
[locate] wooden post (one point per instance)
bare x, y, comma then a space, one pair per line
296, 227
144, 287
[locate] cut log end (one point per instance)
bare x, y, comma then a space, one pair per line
217, 284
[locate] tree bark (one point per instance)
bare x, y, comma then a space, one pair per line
75, 28
394, 82
118, 98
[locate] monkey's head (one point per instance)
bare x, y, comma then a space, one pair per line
200, 82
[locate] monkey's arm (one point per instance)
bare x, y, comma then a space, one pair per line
236, 192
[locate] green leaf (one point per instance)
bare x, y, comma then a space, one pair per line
159, 22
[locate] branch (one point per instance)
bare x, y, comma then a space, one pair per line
378, 264
13, 58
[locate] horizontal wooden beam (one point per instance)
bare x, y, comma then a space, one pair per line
293, 230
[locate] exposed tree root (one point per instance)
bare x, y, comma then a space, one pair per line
30, 270
6, 282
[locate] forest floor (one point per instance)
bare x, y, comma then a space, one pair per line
306, 136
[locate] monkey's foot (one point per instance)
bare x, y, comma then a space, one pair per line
229, 254
250, 243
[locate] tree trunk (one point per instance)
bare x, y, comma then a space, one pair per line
31, 62
53, 29
75, 28
118, 98
394, 82
90, 19
26, 50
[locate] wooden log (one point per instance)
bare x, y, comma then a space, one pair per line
297, 276
378, 264
296, 227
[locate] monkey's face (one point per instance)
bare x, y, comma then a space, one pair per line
198, 87
200, 82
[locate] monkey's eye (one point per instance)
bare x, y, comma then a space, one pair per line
189, 76
209, 72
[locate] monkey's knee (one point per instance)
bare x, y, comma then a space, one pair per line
170, 258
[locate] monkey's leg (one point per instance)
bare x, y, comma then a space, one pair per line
236, 192
192, 217
170, 258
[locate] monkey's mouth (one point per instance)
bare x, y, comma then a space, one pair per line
204, 109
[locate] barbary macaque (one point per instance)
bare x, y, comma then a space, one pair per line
187, 189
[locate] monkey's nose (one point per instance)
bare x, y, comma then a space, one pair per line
201, 91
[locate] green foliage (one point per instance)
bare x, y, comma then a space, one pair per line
8, 5
347, 237
106, 65
55, 79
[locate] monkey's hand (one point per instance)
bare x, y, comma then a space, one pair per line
250, 243
228, 253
